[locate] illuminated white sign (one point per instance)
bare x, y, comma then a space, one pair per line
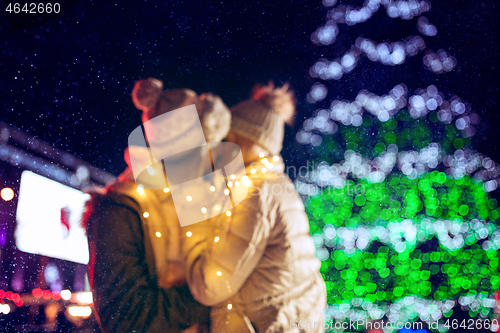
49, 219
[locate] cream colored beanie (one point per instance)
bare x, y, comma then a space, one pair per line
215, 117
258, 122
262, 118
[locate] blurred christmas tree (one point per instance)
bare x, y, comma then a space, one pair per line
397, 198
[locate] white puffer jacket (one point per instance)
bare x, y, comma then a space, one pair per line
257, 267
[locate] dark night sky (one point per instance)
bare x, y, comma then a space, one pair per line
69, 80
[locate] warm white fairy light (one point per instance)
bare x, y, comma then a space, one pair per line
203, 210
264, 170
237, 183
145, 214
158, 234
212, 188
246, 181
276, 158
226, 191
140, 189
230, 184
217, 208
189, 198
233, 176
216, 239
261, 154
7, 194
189, 234
229, 306
228, 213
252, 171
166, 190
151, 171
219, 273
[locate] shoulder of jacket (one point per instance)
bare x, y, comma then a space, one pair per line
280, 190
100, 203
121, 194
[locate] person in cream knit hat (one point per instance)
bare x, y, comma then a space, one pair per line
135, 268
256, 265
262, 118
148, 96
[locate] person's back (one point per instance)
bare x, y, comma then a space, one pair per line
123, 274
256, 265
289, 259
133, 229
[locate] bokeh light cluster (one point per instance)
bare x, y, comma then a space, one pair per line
424, 102
392, 54
350, 15
379, 278
396, 197
403, 223
440, 62
386, 53
432, 195
433, 240
426, 28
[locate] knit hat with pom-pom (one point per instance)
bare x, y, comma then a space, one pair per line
262, 118
215, 117
148, 96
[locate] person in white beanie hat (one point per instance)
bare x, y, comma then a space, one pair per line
256, 265
135, 269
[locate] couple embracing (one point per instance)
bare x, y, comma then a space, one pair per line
250, 269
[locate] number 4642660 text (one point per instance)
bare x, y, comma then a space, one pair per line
33, 8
